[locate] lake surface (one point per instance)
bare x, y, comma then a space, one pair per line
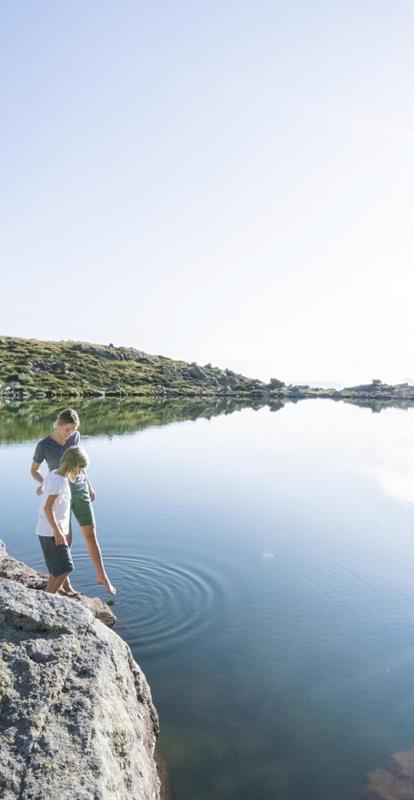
265, 570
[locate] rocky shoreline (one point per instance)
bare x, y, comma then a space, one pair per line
32, 369
76, 714
77, 718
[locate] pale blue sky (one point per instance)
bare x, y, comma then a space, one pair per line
220, 181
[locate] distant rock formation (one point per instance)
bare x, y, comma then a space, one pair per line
394, 782
77, 720
378, 389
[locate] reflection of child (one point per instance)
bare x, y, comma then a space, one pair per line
54, 516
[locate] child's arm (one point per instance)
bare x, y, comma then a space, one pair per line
58, 535
91, 490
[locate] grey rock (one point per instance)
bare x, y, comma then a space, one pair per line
197, 373
377, 389
114, 387
77, 720
258, 387
112, 353
57, 366
20, 572
395, 781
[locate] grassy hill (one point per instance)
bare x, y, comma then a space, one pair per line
32, 368
35, 369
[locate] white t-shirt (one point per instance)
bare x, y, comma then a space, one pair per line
54, 484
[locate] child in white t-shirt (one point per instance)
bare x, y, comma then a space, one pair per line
54, 516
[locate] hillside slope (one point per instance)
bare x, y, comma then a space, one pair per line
32, 368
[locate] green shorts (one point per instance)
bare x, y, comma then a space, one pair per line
81, 506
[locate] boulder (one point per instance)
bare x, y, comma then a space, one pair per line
77, 720
393, 782
197, 373
19, 571
258, 387
115, 387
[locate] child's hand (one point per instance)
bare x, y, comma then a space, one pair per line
39, 490
92, 494
59, 537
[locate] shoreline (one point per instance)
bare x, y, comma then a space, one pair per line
31, 369
65, 660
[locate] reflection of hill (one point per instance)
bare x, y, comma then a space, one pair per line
21, 422
377, 405
28, 421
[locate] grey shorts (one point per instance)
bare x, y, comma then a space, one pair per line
57, 556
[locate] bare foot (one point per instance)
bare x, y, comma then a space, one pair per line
69, 593
68, 589
104, 581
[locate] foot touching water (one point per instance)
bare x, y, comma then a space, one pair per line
103, 580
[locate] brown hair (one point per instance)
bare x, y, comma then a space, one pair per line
67, 417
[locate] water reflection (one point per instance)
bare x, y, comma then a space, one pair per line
20, 422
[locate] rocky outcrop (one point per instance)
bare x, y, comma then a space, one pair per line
76, 716
394, 782
378, 389
82, 369
18, 571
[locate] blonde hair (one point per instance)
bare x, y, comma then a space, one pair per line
67, 417
74, 460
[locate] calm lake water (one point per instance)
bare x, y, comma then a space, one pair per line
265, 570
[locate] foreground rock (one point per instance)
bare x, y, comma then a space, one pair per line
76, 716
395, 782
18, 571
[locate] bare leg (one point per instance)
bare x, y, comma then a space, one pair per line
55, 581
66, 585
89, 534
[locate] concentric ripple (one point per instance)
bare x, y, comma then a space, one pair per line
159, 604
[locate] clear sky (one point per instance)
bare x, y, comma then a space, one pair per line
216, 181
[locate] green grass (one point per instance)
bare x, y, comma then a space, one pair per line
60, 369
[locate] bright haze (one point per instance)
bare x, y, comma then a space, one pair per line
225, 181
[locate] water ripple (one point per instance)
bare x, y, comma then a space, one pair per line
159, 604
